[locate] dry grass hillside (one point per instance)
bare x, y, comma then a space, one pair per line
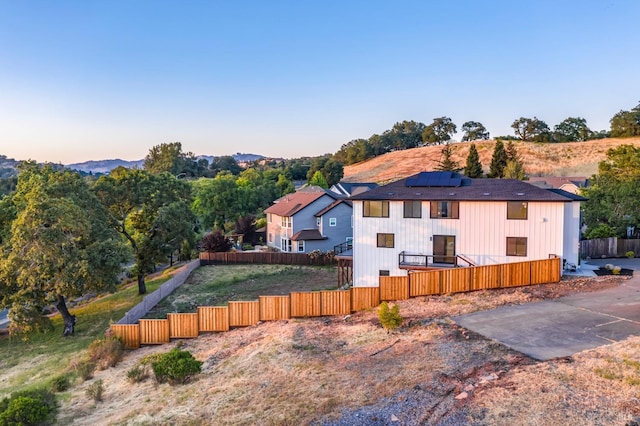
348, 371
548, 159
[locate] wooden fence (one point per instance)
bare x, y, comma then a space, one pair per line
609, 247
336, 302
269, 258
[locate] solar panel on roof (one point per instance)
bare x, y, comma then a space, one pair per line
434, 179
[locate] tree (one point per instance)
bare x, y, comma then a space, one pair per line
474, 131
498, 161
318, 180
613, 198
626, 124
332, 171
246, 226
439, 132
60, 246
572, 129
225, 163
531, 129
446, 162
473, 169
514, 168
168, 157
405, 135
151, 211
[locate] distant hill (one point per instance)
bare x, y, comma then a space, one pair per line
8, 166
540, 159
104, 166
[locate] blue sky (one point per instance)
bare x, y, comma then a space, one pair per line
83, 80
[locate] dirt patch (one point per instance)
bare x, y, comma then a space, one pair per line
348, 370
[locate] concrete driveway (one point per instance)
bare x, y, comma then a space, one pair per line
565, 326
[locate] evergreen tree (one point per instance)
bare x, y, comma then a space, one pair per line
514, 168
446, 163
498, 161
473, 168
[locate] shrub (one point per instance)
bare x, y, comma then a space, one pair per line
60, 383
137, 373
608, 266
390, 319
616, 270
33, 407
107, 352
84, 369
630, 254
175, 367
216, 242
95, 390
601, 230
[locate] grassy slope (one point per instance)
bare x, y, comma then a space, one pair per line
550, 159
32, 363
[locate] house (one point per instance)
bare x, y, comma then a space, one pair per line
443, 219
569, 184
307, 220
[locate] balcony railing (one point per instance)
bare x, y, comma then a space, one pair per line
342, 247
424, 261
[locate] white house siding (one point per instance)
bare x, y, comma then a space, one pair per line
481, 234
571, 249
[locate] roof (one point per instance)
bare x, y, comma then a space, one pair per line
558, 181
332, 205
422, 186
307, 234
574, 197
291, 204
346, 189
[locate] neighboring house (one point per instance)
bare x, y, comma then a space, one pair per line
445, 219
307, 220
569, 184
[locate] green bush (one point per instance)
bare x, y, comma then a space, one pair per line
601, 230
137, 373
175, 367
390, 319
630, 254
33, 407
95, 390
107, 352
60, 383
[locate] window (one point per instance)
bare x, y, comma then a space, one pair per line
285, 221
269, 218
384, 272
517, 209
300, 246
333, 221
270, 237
445, 210
349, 242
375, 209
385, 240
516, 246
285, 245
413, 209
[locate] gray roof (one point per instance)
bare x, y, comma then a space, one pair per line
467, 189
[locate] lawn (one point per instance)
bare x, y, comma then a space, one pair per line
216, 285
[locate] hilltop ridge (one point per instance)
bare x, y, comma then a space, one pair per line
539, 159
